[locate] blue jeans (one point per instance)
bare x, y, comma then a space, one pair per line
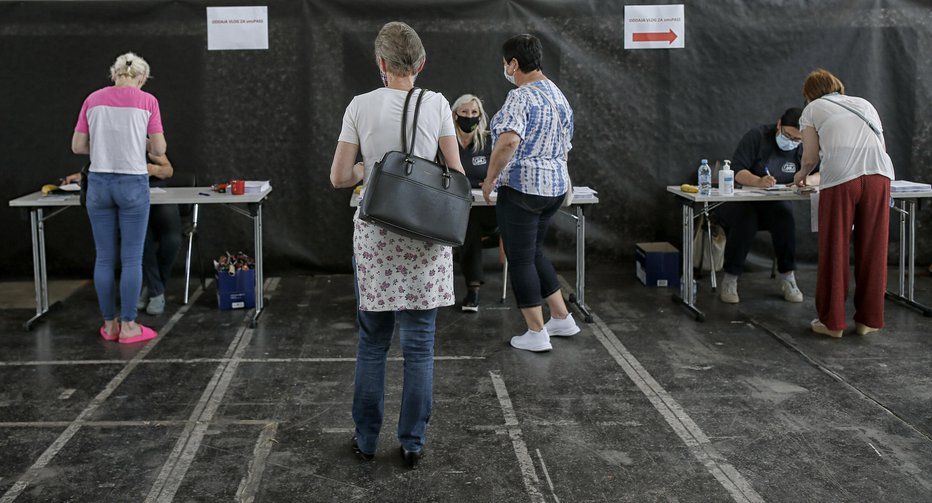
417, 329
522, 221
118, 208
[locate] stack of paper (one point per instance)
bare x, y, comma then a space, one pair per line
906, 186
255, 187
583, 193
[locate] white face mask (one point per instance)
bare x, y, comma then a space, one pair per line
509, 78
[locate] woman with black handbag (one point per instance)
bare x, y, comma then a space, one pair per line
398, 278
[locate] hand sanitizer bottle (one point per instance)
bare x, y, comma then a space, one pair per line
726, 180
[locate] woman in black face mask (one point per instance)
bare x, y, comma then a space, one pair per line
473, 137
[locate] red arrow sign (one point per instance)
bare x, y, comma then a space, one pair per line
655, 37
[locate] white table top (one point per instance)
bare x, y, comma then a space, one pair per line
171, 195
478, 200
769, 195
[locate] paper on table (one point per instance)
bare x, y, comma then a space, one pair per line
156, 190
69, 187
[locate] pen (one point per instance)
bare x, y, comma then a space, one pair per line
203, 194
767, 171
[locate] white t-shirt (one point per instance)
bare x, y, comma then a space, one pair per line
373, 121
395, 272
849, 147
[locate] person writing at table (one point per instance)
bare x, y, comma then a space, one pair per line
475, 147
163, 238
845, 134
532, 135
766, 156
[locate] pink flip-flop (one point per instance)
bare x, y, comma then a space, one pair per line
147, 333
108, 337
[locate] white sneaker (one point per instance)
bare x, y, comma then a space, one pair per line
561, 328
143, 298
532, 341
790, 291
729, 293
156, 305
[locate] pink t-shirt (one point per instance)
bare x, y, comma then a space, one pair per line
117, 120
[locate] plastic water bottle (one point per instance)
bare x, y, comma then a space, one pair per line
705, 178
726, 180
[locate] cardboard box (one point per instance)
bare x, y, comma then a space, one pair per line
658, 264
236, 292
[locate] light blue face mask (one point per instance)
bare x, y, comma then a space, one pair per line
786, 144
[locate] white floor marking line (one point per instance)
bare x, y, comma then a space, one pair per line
219, 360
249, 486
543, 467
528, 472
129, 424
16, 489
182, 456
66, 394
688, 431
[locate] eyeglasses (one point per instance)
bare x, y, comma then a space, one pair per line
788, 137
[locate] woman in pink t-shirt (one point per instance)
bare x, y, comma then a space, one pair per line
113, 127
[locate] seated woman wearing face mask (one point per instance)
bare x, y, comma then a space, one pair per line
766, 156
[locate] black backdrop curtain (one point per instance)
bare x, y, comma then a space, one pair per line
643, 118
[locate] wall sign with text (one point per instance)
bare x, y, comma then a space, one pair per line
655, 27
237, 28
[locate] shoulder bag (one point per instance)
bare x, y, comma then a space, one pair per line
414, 197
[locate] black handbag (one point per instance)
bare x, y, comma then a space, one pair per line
414, 197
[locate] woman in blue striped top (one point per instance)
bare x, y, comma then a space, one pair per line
531, 136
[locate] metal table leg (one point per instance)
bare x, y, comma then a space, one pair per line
907, 263
579, 298
187, 260
260, 279
38, 265
687, 295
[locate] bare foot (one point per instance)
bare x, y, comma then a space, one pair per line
129, 329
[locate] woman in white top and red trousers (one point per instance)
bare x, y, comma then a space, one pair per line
854, 192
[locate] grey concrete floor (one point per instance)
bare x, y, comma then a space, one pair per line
644, 405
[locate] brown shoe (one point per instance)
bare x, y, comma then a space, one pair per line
863, 329
820, 328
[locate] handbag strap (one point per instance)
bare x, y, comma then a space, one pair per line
404, 122
877, 131
409, 149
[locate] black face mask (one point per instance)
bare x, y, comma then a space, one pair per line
467, 124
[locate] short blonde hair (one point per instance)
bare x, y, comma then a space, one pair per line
482, 131
401, 49
821, 82
129, 65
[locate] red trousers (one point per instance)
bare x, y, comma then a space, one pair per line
865, 204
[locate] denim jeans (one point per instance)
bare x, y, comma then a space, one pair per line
118, 208
163, 240
523, 220
417, 329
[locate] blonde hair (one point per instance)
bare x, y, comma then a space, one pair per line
821, 82
482, 131
129, 65
400, 47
